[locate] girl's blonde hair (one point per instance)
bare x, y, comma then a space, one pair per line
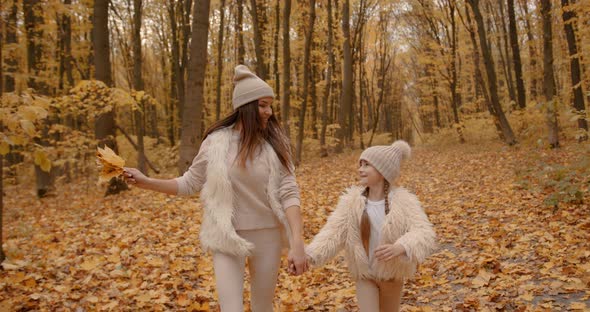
365, 222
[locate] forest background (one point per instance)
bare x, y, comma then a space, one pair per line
473, 84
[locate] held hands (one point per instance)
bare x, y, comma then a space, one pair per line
297, 260
387, 252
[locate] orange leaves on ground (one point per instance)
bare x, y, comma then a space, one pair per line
111, 164
500, 249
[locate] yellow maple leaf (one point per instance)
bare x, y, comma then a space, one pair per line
4, 148
110, 163
42, 160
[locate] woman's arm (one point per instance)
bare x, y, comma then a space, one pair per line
297, 258
189, 183
135, 177
290, 201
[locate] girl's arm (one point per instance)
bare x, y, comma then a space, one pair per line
330, 240
420, 239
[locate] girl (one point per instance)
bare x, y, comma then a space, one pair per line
382, 228
251, 200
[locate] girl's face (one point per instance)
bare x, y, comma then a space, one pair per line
368, 175
264, 110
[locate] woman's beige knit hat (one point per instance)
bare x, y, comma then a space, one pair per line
387, 159
248, 87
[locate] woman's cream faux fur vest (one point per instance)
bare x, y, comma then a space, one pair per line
406, 223
217, 231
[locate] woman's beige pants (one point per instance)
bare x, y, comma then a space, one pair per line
263, 265
378, 296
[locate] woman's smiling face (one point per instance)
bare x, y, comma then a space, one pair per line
264, 110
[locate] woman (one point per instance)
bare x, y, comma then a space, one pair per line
251, 200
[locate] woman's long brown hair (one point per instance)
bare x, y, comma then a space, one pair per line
365, 222
252, 134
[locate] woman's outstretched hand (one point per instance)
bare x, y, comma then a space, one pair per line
135, 177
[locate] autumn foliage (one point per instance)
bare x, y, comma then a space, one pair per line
144, 78
501, 246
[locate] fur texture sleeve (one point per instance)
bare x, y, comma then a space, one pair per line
330, 240
420, 239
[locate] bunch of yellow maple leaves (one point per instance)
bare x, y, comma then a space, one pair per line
110, 164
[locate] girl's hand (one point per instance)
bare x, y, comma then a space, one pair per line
387, 252
297, 260
135, 177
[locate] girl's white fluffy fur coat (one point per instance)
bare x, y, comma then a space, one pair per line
217, 230
406, 223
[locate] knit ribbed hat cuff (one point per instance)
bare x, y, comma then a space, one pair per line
251, 95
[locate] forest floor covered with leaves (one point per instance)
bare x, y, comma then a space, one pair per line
508, 239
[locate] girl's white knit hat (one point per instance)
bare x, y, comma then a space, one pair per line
387, 159
248, 87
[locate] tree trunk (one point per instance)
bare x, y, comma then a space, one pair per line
104, 126
175, 72
277, 31
138, 85
190, 140
347, 92
34, 34
548, 76
362, 91
11, 61
153, 123
68, 44
507, 133
306, 77
101, 46
2, 256
569, 17
258, 42
219, 60
436, 109
314, 102
479, 82
65, 48
33, 22
286, 102
508, 66
532, 52
184, 51
326, 98
239, 31
454, 78
384, 62
516, 56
